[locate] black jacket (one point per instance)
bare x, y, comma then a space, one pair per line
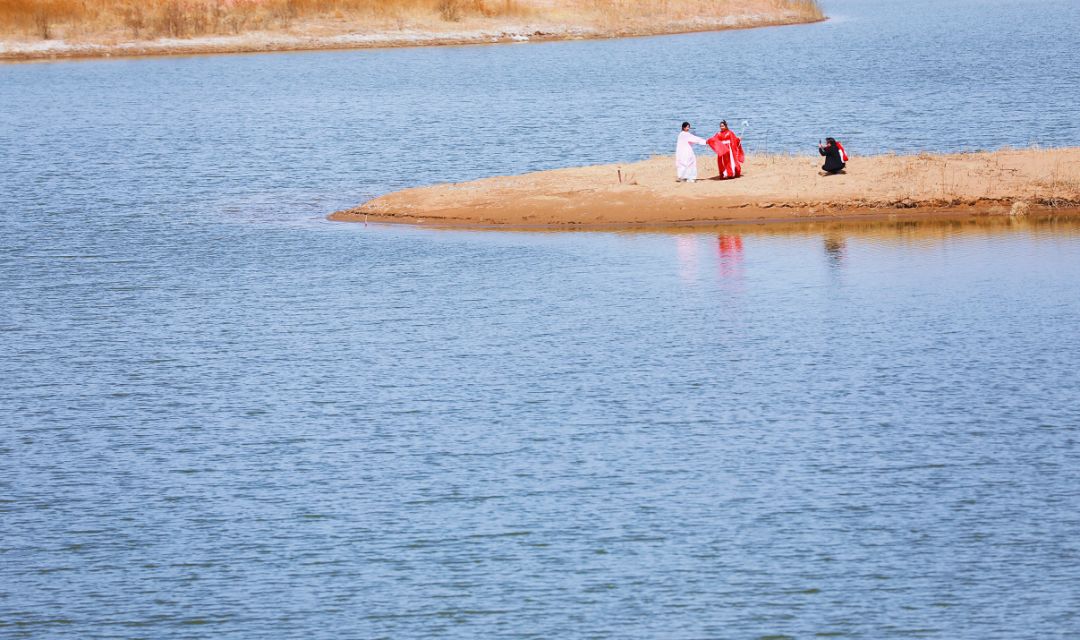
832, 158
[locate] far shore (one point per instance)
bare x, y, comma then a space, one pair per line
773, 188
329, 36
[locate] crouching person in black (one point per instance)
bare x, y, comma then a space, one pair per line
835, 156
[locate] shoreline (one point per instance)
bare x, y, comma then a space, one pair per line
1036, 215
773, 189
14, 51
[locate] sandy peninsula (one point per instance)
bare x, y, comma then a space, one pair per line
774, 188
51, 29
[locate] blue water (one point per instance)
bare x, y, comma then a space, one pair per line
222, 416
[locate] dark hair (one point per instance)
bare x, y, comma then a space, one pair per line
723, 122
685, 126
830, 140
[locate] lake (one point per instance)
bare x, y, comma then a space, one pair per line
223, 416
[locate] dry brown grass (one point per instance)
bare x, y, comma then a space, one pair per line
179, 18
145, 19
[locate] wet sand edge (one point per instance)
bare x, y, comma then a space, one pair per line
1036, 214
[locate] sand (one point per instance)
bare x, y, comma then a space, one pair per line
772, 189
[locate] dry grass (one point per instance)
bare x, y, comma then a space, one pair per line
180, 18
147, 19
1061, 187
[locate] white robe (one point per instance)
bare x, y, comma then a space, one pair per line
685, 158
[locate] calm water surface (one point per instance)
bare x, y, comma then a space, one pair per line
222, 416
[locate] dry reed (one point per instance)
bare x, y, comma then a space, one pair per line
180, 18
46, 19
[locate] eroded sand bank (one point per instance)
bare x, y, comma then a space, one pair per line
773, 188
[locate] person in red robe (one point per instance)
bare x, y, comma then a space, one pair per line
729, 152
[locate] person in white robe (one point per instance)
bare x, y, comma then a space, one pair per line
685, 158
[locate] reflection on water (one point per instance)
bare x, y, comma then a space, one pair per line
842, 238
730, 252
834, 249
895, 229
687, 252
728, 256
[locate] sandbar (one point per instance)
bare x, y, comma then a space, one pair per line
773, 188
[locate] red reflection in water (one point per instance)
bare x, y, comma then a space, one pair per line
730, 249
729, 245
